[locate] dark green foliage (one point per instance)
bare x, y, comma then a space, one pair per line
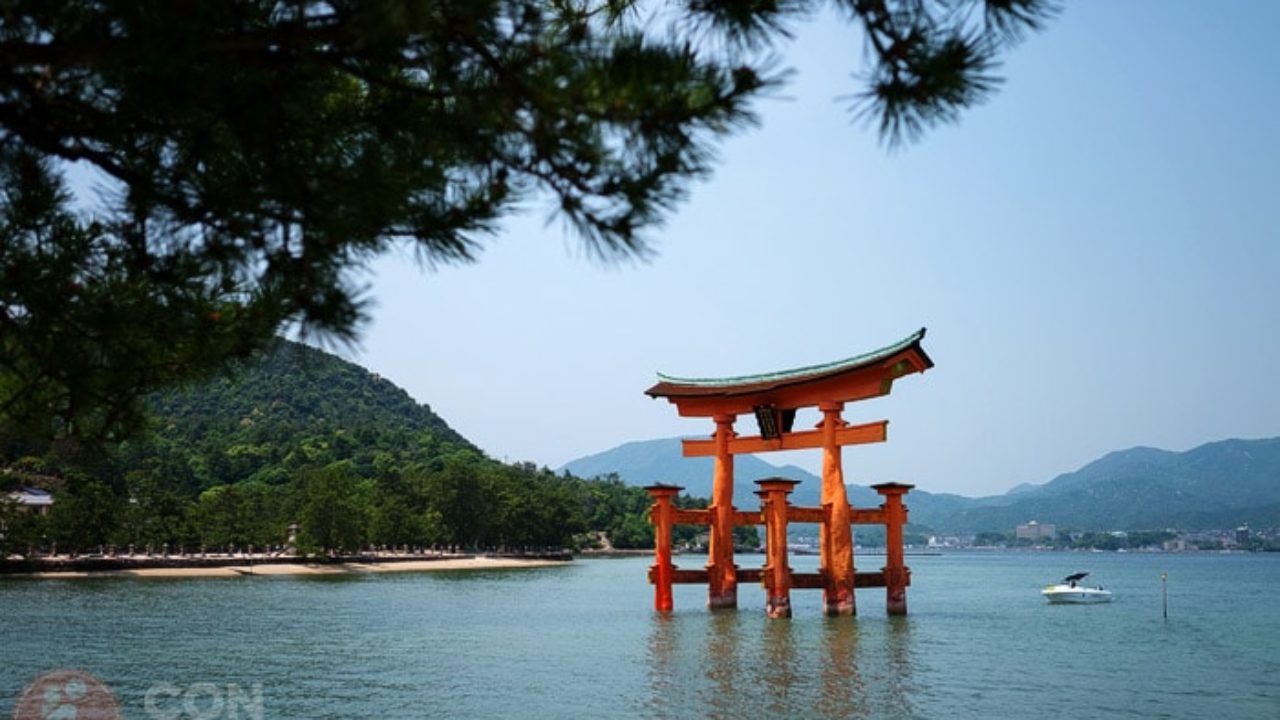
20, 531
219, 519
397, 515
86, 517
620, 511
157, 515
460, 495
248, 514
258, 154
332, 510
84, 334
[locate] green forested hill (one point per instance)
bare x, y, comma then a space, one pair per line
298, 436
293, 408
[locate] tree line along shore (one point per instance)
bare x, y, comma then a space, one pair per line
465, 504
245, 565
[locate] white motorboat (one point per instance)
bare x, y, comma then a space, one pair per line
1071, 591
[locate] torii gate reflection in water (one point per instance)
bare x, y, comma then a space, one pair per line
774, 399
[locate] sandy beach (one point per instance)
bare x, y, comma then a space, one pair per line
303, 568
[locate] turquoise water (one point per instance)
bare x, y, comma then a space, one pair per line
581, 642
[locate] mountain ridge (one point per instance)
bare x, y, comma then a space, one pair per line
1137, 488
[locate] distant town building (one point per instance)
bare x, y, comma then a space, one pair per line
1035, 531
1242, 535
32, 499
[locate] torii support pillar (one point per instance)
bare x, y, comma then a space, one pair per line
663, 515
896, 574
836, 541
776, 577
722, 572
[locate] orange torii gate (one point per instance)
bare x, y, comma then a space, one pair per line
774, 399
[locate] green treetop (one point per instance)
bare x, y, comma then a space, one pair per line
257, 152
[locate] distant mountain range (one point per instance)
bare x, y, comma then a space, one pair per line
652, 461
1217, 485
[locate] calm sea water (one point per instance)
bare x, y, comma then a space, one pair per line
581, 642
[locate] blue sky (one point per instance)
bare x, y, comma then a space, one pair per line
1094, 252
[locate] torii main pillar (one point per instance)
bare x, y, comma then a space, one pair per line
773, 400
836, 543
722, 572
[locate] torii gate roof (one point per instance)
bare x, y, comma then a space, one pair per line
854, 378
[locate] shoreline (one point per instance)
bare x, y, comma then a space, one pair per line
242, 567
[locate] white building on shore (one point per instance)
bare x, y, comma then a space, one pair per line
32, 499
1036, 531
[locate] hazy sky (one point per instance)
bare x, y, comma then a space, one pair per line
1094, 252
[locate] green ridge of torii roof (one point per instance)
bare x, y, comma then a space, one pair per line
671, 385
